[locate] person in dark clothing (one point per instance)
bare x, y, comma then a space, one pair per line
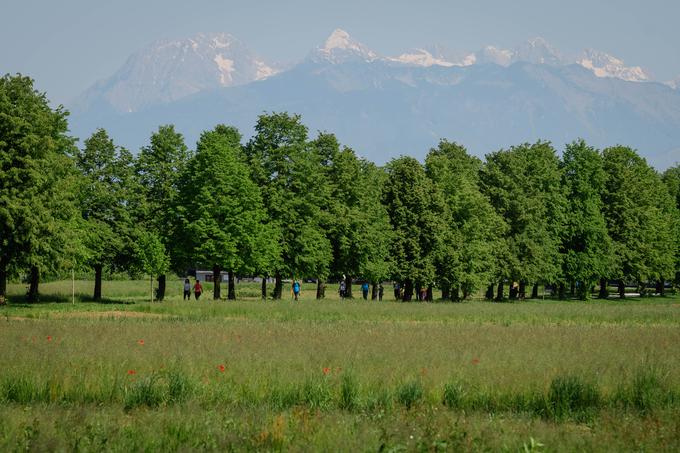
187, 290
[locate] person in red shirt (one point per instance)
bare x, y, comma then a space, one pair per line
198, 289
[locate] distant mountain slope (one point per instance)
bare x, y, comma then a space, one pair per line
170, 70
383, 108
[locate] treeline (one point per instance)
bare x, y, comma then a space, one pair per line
285, 205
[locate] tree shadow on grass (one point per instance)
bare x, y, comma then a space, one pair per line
23, 302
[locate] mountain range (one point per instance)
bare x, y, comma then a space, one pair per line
384, 106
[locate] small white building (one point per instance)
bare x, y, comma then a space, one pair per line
207, 276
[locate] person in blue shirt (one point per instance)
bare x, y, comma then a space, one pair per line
296, 289
364, 290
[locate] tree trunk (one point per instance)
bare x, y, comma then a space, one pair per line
278, 286
446, 291
320, 289
418, 288
572, 288
161, 287
660, 290
466, 294
97, 282
231, 293
522, 290
217, 276
348, 287
408, 291
500, 291
583, 292
264, 287
455, 294
430, 296
374, 291
33, 285
604, 292
534, 291
3, 278
622, 289
489, 292
562, 291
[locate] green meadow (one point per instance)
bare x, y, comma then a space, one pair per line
131, 375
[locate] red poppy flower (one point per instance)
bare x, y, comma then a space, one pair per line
131, 372
221, 368
475, 361
326, 370
49, 338
140, 342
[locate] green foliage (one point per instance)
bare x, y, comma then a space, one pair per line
586, 246
109, 199
638, 207
355, 219
158, 168
417, 214
151, 254
671, 179
473, 237
524, 186
287, 171
37, 182
220, 213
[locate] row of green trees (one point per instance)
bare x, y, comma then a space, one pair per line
287, 206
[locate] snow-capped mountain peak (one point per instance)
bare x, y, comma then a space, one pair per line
420, 57
605, 65
492, 54
340, 47
675, 83
425, 58
538, 51
168, 70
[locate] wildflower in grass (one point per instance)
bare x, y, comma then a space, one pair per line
49, 338
221, 368
140, 342
131, 372
326, 370
475, 361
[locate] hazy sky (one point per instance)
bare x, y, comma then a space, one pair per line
67, 45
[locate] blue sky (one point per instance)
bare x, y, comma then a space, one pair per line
69, 44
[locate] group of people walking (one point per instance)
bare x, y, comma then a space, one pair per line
344, 293
295, 290
198, 289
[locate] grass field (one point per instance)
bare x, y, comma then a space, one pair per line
335, 375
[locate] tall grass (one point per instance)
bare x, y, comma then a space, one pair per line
569, 397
